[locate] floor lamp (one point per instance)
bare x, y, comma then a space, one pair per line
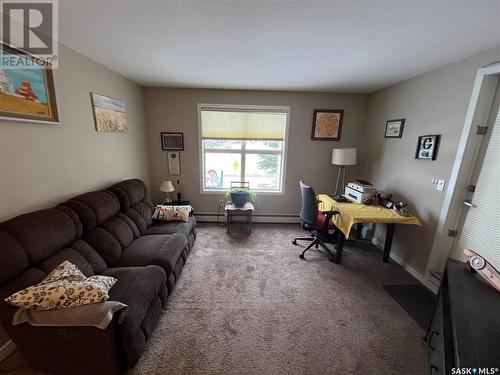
342, 157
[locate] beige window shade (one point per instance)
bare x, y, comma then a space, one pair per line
242, 124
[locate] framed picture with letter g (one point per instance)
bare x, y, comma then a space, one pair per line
427, 147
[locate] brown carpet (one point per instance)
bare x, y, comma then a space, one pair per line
250, 306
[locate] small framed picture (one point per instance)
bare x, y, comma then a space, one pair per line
327, 124
172, 141
174, 163
427, 147
394, 128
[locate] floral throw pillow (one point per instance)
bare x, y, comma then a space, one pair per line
64, 287
171, 213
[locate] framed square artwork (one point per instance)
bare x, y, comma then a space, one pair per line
327, 124
427, 147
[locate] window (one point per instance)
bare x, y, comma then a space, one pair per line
242, 143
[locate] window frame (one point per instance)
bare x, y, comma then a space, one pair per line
243, 151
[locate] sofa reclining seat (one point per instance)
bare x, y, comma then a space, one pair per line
31, 246
119, 241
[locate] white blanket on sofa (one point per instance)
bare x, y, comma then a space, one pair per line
94, 315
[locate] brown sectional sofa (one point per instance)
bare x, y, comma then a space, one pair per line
106, 232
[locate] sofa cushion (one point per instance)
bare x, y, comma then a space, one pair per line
14, 259
133, 197
143, 290
70, 255
91, 255
130, 192
94, 208
161, 227
161, 250
105, 244
41, 233
105, 228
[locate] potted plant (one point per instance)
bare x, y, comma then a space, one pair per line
241, 195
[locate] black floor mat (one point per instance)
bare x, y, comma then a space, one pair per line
417, 301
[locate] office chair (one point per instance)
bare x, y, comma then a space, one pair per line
318, 223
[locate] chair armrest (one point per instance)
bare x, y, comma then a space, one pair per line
329, 215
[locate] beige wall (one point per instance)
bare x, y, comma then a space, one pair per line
434, 103
41, 165
176, 110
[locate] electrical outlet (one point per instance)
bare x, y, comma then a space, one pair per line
221, 202
440, 185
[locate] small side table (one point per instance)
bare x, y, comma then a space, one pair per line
245, 211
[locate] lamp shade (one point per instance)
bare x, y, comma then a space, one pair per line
167, 186
344, 156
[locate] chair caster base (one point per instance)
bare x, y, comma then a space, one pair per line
331, 260
294, 242
301, 256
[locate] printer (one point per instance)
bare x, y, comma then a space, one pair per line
359, 190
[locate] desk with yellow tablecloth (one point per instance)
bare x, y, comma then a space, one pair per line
356, 213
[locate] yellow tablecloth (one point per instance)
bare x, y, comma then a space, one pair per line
353, 213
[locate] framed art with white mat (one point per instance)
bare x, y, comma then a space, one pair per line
174, 162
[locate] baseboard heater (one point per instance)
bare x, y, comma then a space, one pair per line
208, 217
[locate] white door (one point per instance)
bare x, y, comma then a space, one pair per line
479, 228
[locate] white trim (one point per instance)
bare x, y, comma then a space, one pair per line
282, 109
7, 349
211, 217
482, 92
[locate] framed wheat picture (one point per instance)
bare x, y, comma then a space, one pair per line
110, 114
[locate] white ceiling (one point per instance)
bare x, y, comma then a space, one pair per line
338, 46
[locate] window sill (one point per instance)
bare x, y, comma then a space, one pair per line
258, 192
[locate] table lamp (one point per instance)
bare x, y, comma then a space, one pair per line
167, 187
343, 157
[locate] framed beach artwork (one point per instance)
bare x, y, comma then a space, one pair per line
110, 114
327, 124
26, 88
394, 128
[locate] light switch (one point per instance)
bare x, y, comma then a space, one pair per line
440, 185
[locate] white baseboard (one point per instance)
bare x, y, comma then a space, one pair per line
7, 349
412, 271
211, 217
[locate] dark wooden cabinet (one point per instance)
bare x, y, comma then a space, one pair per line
465, 327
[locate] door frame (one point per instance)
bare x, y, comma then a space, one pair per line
478, 111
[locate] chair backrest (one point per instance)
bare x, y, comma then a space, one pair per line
309, 210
